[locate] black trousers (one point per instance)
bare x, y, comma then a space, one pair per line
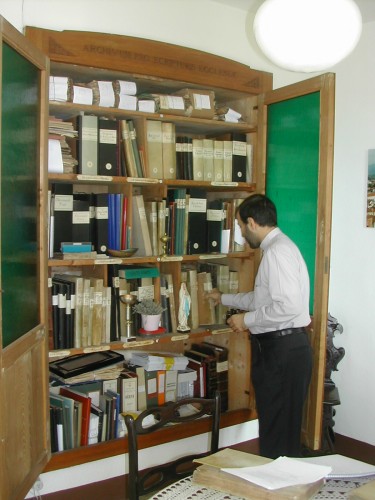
281, 373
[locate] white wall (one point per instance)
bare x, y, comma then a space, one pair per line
216, 28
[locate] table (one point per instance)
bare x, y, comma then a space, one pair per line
185, 489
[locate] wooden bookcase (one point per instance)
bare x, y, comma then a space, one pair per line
165, 68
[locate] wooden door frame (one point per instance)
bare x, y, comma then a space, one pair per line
325, 85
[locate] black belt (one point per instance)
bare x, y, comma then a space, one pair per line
278, 333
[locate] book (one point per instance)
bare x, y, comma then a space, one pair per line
127, 147
171, 385
221, 355
66, 303
208, 160
85, 325
227, 160
154, 149
215, 224
116, 404
141, 234
86, 406
134, 144
81, 227
100, 237
206, 310
192, 285
97, 310
198, 159
161, 375
67, 406
87, 144
96, 410
169, 150
151, 210
185, 383
239, 158
218, 161
128, 388
107, 146
151, 386
169, 291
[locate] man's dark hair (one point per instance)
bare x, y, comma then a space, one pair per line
260, 208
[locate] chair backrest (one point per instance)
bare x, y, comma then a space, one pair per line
142, 483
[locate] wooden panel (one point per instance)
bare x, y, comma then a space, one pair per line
24, 438
148, 57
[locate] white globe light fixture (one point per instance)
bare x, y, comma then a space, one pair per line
307, 35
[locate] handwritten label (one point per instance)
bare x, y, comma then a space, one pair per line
108, 261
224, 184
221, 330
140, 343
213, 256
172, 258
144, 180
58, 354
98, 348
175, 338
98, 178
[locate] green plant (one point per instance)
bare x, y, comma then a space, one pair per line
148, 307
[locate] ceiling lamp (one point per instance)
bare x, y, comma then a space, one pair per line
307, 35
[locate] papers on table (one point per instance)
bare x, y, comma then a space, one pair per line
342, 467
281, 473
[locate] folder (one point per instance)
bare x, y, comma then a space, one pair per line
197, 229
63, 213
87, 144
100, 239
107, 146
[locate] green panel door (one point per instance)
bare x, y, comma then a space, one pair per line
292, 171
19, 139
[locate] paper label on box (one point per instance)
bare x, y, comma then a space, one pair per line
107, 136
198, 205
81, 217
214, 215
101, 213
239, 148
63, 202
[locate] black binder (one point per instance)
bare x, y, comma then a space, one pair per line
107, 146
197, 226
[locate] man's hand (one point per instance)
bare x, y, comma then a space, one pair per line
237, 322
214, 295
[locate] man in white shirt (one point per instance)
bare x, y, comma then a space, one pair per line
277, 314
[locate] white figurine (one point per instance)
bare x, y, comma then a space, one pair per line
184, 309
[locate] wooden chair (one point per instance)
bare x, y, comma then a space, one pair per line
156, 477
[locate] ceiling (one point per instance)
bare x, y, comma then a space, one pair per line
367, 7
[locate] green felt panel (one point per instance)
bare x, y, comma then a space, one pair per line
19, 159
292, 172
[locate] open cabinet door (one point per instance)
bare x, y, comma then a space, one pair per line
24, 415
295, 158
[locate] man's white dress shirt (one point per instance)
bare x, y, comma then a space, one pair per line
281, 293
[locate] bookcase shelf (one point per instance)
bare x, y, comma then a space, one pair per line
240, 91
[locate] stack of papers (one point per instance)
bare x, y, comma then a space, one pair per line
281, 473
151, 362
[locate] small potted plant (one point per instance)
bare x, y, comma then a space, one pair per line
151, 313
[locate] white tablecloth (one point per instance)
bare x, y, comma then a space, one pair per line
185, 489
